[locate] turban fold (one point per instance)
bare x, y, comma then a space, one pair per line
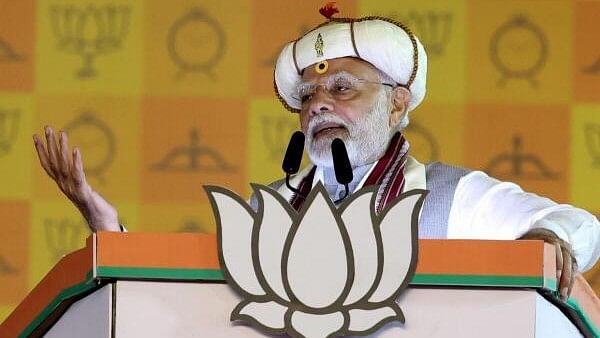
388, 45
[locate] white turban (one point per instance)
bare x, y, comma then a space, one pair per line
387, 45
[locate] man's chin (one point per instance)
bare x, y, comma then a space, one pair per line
321, 159
322, 144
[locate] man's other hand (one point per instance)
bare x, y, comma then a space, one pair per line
566, 265
65, 167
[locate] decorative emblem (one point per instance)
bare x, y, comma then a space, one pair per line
592, 69
195, 158
520, 164
276, 133
519, 49
63, 236
321, 67
433, 28
8, 53
9, 129
329, 9
321, 272
96, 140
592, 141
90, 31
319, 45
196, 43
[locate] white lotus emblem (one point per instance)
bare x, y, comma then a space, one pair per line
320, 272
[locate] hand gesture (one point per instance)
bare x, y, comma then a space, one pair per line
566, 265
66, 169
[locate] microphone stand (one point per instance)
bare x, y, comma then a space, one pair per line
345, 194
289, 186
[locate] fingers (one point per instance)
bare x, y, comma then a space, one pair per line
58, 162
43, 156
65, 167
77, 169
52, 151
559, 262
566, 266
63, 155
573, 274
565, 278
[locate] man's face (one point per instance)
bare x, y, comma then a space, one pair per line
348, 103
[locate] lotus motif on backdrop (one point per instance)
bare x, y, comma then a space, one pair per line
322, 271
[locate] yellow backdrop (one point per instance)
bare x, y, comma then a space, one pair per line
166, 96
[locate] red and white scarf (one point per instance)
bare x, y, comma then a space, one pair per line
388, 174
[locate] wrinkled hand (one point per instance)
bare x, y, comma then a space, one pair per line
566, 265
66, 169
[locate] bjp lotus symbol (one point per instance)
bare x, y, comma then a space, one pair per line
320, 272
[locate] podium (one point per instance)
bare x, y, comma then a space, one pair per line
171, 285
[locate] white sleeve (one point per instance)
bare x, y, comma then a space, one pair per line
485, 208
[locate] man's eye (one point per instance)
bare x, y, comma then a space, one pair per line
342, 87
306, 97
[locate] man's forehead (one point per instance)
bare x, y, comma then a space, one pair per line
354, 66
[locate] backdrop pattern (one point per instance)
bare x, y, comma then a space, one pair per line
166, 96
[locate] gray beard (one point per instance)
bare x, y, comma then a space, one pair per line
366, 139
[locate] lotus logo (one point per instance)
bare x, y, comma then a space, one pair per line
322, 271
89, 31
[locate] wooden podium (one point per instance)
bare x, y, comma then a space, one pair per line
170, 285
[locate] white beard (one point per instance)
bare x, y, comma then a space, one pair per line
366, 139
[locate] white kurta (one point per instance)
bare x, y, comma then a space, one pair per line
486, 208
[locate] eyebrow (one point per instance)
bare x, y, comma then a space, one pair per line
335, 76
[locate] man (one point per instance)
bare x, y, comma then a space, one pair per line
357, 80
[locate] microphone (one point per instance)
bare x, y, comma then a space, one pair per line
293, 158
341, 165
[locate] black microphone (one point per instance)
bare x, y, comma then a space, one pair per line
293, 158
341, 165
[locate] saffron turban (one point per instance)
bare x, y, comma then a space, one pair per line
388, 45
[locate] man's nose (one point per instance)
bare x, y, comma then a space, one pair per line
321, 102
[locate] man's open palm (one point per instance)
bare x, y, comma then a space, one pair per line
65, 167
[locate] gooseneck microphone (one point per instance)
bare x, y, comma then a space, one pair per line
341, 165
293, 158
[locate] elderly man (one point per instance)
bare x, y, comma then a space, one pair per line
357, 80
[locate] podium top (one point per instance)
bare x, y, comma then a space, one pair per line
441, 262
193, 257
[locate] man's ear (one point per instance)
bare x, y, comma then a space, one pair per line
400, 99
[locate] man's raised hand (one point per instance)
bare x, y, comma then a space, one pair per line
65, 167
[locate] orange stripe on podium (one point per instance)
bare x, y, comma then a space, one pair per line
157, 250
478, 257
199, 251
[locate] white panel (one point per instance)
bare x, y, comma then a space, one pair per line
185, 310
89, 317
551, 323
182, 310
